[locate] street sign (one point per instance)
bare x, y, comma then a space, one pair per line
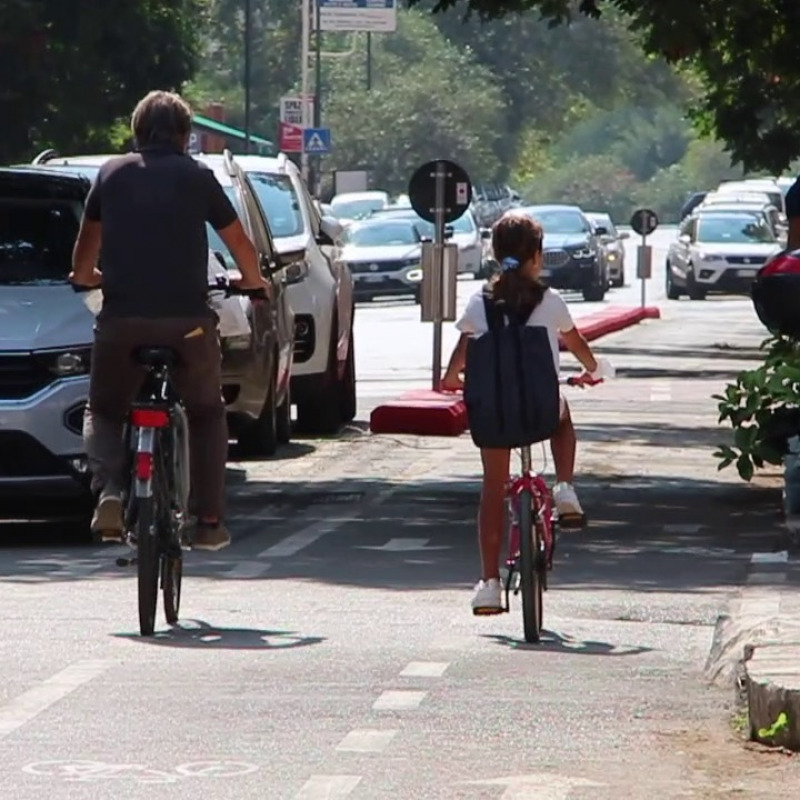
644, 221
291, 109
291, 138
457, 191
317, 141
372, 16
644, 262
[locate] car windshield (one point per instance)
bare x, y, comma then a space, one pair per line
36, 241
603, 221
280, 202
734, 229
463, 224
356, 209
559, 220
378, 234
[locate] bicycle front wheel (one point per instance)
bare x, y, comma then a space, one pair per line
171, 576
531, 587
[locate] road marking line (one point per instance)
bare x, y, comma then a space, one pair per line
425, 669
29, 705
328, 787
770, 558
366, 741
257, 518
296, 542
247, 569
398, 700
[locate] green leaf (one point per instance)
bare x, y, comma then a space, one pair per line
780, 725
745, 467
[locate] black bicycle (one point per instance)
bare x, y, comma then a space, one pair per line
156, 502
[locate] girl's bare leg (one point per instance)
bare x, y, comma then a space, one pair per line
491, 518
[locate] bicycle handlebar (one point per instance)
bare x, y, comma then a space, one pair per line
221, 285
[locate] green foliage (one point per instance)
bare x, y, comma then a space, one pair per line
412, 113
594, 183
763, 408
745, 53
68, 72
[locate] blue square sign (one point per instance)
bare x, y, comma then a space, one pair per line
317, 140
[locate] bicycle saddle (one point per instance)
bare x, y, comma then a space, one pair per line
155, 356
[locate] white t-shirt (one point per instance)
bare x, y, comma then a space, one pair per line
552, 313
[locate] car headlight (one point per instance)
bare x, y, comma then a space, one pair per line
67, 363
412, 262
414, 275
612, 256
582, 253
709, 257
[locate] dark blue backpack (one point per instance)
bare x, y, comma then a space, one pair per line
510, 384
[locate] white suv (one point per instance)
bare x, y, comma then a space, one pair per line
323, 381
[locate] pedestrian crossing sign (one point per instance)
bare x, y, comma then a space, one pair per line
317, 141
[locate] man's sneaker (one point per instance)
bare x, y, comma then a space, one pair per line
107, 521
570, 513
488, 598
205, 536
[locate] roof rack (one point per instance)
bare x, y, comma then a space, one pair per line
45, 156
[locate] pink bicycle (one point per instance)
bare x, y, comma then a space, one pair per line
532, 538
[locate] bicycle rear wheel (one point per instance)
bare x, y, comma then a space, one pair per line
171, 576
531, 587
147, 561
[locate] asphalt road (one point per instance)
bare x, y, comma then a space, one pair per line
330, 652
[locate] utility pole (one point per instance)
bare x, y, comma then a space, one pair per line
369, 60
305, 10
318, 93
248, 19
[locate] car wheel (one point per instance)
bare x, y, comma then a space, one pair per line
283, 425
260, 437
595, 293
673, 292
320, 414
347, 386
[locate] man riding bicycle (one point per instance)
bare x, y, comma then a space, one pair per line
147, 213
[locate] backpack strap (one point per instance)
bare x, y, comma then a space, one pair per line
494, 319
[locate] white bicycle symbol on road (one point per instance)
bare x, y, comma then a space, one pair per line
82, 771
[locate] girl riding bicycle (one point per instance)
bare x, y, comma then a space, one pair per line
517, 243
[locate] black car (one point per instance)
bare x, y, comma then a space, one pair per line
572, 255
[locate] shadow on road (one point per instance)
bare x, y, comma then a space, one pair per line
554, 642
201, 635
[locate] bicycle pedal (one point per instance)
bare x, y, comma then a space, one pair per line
126, 562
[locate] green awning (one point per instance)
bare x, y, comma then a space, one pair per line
225, 130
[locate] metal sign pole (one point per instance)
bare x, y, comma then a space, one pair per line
304, 80
644, 280
438, 260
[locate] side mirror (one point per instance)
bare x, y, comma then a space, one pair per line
486, 233
290, 257
623, 235
600, 231
684, 238
330, 231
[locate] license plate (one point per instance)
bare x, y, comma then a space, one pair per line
372, 278
545, 273
747, 273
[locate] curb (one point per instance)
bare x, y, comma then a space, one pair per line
428, 413
611, 320
757, 648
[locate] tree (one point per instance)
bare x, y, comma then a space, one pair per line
68, 72
745, 52
428, 100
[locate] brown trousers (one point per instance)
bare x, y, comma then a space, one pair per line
116, 380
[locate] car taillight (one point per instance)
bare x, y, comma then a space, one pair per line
782, 264
150, 418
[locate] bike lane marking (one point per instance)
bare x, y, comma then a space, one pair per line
28, 706
328, 787
366, 740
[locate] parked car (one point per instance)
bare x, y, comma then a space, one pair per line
351, 206
766, 186
384, 255
324, 372
255, 371
572, 256
611, 246
463, 232
718, 251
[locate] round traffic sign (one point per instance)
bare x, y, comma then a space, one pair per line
457, 190
644, 221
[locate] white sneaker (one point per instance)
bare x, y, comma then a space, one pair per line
488, 598
107, 521
570, 513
